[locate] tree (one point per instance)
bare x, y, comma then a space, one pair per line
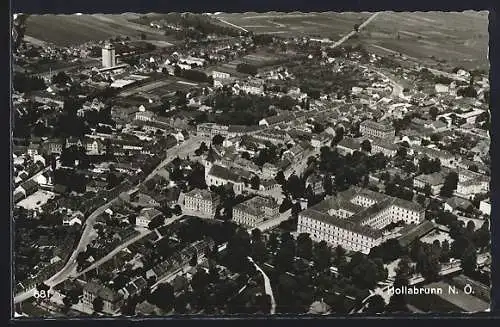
258, 246
322, 256
163, 296
217, 139
286, 253
304, 246
98, 304
296, 208
285, 205
61, 78
295, 186
280, 178
445, 251
469, 260
328, 185
449, 185
366, 146
397, 303
255, 182
376, 304
433, 112
246, 69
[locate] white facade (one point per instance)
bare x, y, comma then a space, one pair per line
485, 207
334, 235
108, 56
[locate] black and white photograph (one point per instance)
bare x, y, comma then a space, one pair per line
250, 163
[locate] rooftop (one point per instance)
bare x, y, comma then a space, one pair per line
355, 223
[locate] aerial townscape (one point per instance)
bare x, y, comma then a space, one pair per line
257, 163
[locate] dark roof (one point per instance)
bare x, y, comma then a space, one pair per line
204, 194
378, 126
224, 173
350, 143
29, 185
360, 214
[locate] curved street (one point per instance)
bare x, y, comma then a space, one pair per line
267, 286
182, 150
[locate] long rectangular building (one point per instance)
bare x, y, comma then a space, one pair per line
255, 210
354, 218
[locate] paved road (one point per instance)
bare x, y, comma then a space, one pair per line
231, 24
267, 286
114, 252
182, 151
432, 70
352, 33
69, 269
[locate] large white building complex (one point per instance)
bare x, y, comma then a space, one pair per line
354, 218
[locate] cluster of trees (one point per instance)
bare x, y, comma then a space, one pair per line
193, 75
469, 92
351, 169
70, 154
24, 83
429, 166
449, 185
74, 181
397, 187
294, 278
247, 69
242, 109
60, 78
201, 149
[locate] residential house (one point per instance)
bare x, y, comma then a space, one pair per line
316, 183
485, 206
434, 180
456, 205
471, 183
94, 147
112, 300
348, 146
320, 140
209, 130
146, 215
73, 218
73, 141
388, 149
219, 175
53, 146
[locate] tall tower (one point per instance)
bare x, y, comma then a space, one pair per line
108, 56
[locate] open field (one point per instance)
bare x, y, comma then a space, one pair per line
65, 30
461, 39
326, 24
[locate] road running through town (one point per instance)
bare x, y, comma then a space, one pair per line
182, 150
